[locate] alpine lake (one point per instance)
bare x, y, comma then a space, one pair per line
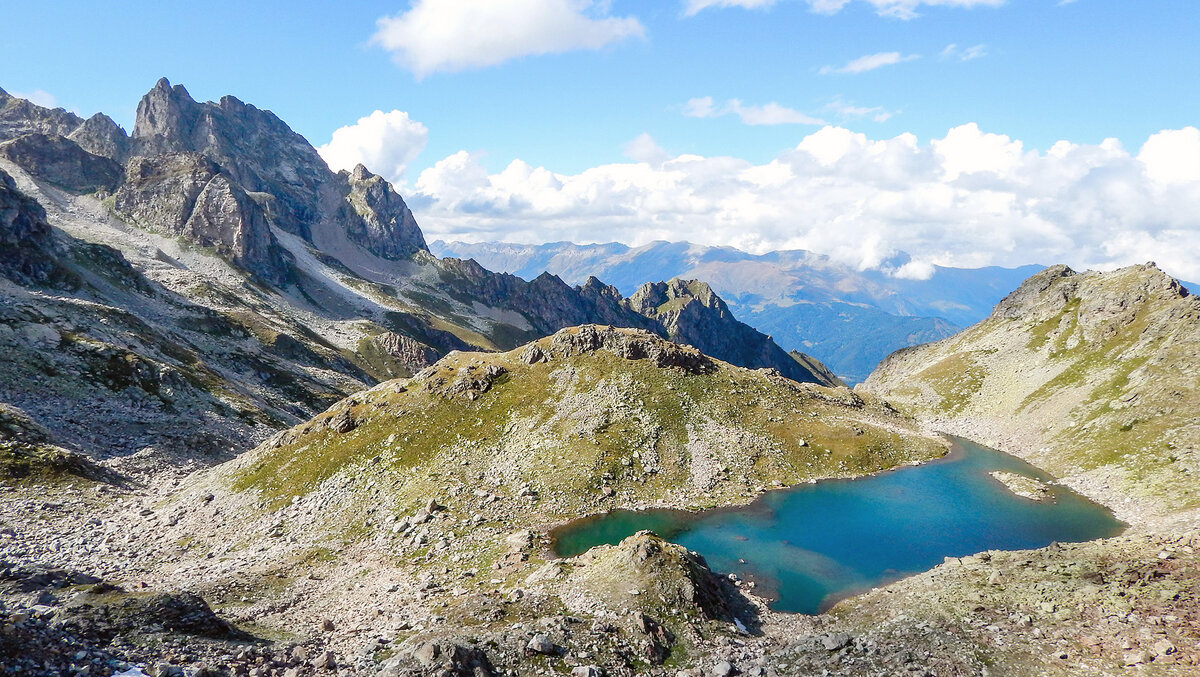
808, 546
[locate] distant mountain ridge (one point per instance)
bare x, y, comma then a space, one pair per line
847, 318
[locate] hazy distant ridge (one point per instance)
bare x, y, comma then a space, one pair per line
847, 318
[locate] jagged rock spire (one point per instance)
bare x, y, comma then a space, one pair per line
387, 226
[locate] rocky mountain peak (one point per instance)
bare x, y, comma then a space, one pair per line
690, 312
257, 149
1031, 292
166, 118
386, 226
654, 298
593, 287
361, 173
100, 135
1051, 290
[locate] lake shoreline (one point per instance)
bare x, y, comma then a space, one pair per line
837, 538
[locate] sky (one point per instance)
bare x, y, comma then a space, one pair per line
963, 132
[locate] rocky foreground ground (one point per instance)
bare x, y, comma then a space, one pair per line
100, 602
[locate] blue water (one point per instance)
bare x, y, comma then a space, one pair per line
807, 547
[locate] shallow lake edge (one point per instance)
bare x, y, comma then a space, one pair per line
955, 451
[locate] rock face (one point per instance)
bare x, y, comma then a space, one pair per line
19, 117
62, 162
257, 149
25, 241
690, 312
387, 227
412, 355
226, 218
1090, 375
186, 194
99, 135
159, 193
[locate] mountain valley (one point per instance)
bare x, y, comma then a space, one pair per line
251, 424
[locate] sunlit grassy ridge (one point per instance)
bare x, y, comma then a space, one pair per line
570, 425
1103, 367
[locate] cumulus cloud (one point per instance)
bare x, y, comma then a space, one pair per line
970, 198
385, 142
869, 62
643, 148
1173, 156
900, 9
767, 114
455, 35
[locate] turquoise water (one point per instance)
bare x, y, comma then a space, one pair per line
807, 547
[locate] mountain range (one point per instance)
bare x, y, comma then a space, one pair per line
209, 277
849, 319
251, 425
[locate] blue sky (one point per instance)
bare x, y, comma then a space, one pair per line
1081, 71
688, 77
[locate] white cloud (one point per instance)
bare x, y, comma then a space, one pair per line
694, 6
700, 107
967, 150
850, 111
1172, 156
869, 63
907, 9
767, 114
38, 96
970, 198
900, 9
455, 35
643, 148
952, 51
385, 142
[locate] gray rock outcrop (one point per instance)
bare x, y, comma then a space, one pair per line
188, 195
690, 312
25, 241
386, 226
62, 162
257, 149
99, 135
19, 117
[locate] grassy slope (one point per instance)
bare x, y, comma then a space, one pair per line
560, 426
1096, 373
